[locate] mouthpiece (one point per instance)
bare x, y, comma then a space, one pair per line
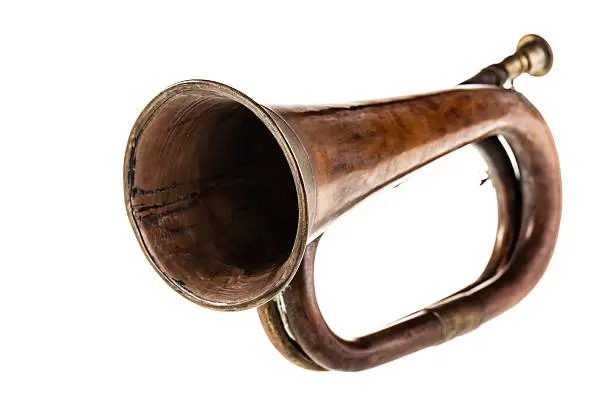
533, 56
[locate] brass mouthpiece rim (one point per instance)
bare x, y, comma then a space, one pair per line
538, 53
237, 294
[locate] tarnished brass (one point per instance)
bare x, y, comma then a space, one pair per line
228, 199
533, 56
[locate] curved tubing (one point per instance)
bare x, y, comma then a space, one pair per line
453, 119
507, 188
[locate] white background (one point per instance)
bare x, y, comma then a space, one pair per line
85, 321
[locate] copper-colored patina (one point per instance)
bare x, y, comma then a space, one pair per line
228, 199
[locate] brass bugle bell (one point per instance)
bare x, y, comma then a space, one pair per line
228, 199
